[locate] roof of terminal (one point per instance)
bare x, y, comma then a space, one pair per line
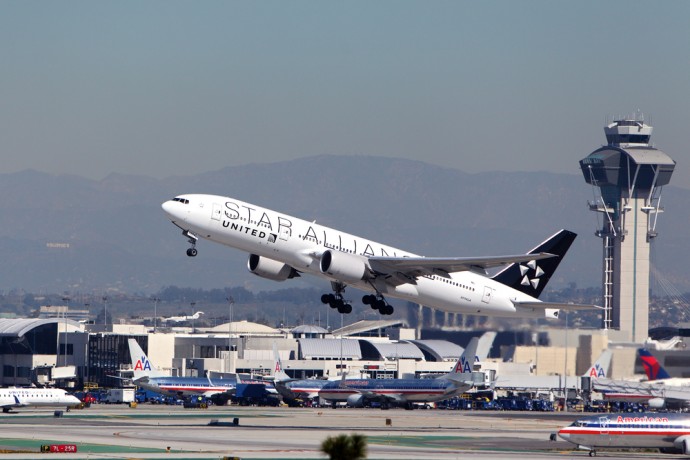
17, 327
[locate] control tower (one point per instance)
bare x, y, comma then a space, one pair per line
627, 175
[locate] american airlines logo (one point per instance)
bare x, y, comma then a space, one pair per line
142, 364
463, 366
597, 371
531, 272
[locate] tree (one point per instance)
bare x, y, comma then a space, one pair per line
345, 447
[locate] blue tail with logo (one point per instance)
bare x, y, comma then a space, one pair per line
652, 367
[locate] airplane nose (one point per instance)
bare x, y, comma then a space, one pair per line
172, 209
167, 207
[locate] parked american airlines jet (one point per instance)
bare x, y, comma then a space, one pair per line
283, 247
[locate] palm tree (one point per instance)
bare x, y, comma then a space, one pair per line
345, 447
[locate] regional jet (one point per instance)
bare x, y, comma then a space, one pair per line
281, 247
11, 398
148, 377
179, 319
407, 392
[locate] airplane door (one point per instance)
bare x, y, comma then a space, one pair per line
284, 233
604, 424
486, 297
216, 212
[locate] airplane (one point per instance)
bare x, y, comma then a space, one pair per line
292, 389
669, 432
282, 247
660, 391
179, 319
406, 392
11, 398
600, 369
147, 376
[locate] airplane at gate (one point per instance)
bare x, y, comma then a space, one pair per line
406, 392
147, 376
11, 398
666, 431
281, 247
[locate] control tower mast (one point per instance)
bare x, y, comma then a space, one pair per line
627, 175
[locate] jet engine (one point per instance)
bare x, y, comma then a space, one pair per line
657, 403
343, 266
269, 268
355, 400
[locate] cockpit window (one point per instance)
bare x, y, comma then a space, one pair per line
181, 200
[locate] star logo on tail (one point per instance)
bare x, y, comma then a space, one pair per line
531, 274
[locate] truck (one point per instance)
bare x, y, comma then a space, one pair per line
119, 396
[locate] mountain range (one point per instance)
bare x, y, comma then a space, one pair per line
65, 233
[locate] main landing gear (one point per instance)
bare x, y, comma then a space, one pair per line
377, 302
192, 238
336, 299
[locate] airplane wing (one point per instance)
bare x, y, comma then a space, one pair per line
652, 390
402, 270
557, 305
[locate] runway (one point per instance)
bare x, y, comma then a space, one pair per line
172, 432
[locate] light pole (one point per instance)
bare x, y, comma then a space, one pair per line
105, 312
231, 301
193, 304
64, 322
565, 367
155, 312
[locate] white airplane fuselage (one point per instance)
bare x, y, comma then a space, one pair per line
35, 397
300, 244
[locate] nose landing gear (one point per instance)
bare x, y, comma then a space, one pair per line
192, 238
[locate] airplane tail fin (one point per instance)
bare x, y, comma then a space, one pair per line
652, 367
141, 364
601, 367
486, 341
462, 371
279, 375
531, 277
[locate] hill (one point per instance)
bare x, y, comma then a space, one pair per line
68, 233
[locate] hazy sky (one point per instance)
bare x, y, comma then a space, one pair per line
165, 88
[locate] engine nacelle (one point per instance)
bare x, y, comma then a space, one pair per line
682, 444
343, 266
269, 268
657, 403
355, 400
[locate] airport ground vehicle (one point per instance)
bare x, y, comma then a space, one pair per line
119, 396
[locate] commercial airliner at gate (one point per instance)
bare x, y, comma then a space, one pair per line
283, 247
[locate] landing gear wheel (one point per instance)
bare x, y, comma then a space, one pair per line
345, 308
386, 310
592, 453
336, 299
192, 252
